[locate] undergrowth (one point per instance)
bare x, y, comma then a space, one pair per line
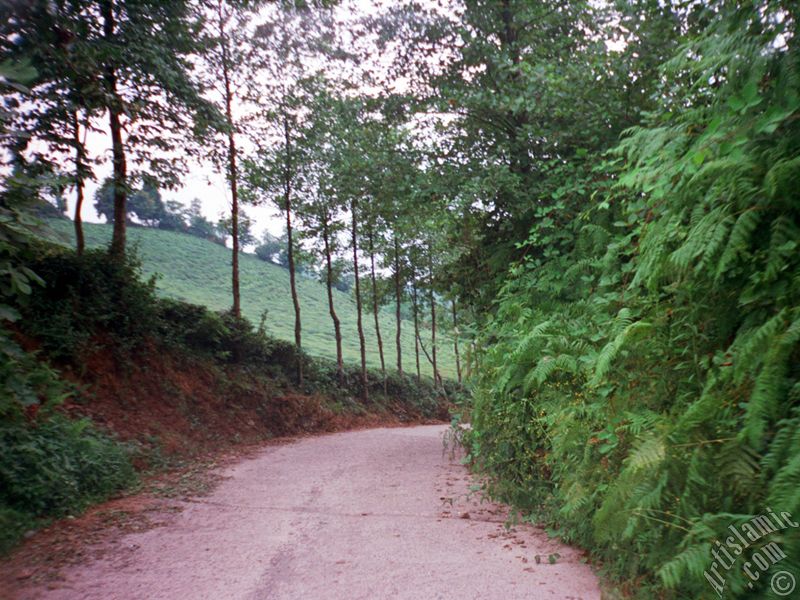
639, 382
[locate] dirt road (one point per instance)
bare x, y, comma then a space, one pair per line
372, 514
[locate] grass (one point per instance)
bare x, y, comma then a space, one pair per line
198, 271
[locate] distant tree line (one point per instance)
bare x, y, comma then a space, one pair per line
147, 207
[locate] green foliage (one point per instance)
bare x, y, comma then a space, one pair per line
145, 204
24, 381
88, 296
49, 464
638, 385
58, 464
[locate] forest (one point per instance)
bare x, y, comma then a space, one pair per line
594, 205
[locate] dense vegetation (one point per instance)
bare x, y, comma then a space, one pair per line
602, 197
638, 387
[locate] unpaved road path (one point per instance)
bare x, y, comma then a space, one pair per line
372, 514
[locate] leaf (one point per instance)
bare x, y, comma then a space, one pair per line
737, 103
699, 156
750, 93
8, 313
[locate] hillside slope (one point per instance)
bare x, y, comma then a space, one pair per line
198, 271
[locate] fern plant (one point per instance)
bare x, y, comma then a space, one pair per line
639, 388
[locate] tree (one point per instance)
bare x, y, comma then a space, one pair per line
128, 59
273, 249
322, 207
342, 274
397, 189
276, 176
432, 300
375, 299
144, 203
389, 187
61, 98
456, 334
201, 227
283, 46
150, 91
104, 200
243, 233
174, 218
349, 168
357, 292
147, 204
321, 223
522, 89
372, 215
430, 252
225, 60
415, 301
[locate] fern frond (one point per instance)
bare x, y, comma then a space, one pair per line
770, 387
692, 561
612, 349
648, 454
738, 241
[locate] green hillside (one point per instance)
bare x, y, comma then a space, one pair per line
198, 271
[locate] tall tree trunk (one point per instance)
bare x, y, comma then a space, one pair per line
233, 173
329, 281
397, 301
361, 341
290, 247
371, 240
79, 160
416, 325
455, 341
114, 106
432, 298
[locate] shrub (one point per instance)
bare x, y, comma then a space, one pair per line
58, 464
52, 466
85, 296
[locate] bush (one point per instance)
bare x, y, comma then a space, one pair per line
49, 464
85, 296
421, 396
53, 466
13, 525
190, 325
24, 380
222, 336
58, 464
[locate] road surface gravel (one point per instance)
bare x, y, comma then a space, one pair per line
371, 514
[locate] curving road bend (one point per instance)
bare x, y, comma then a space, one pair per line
374, 514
